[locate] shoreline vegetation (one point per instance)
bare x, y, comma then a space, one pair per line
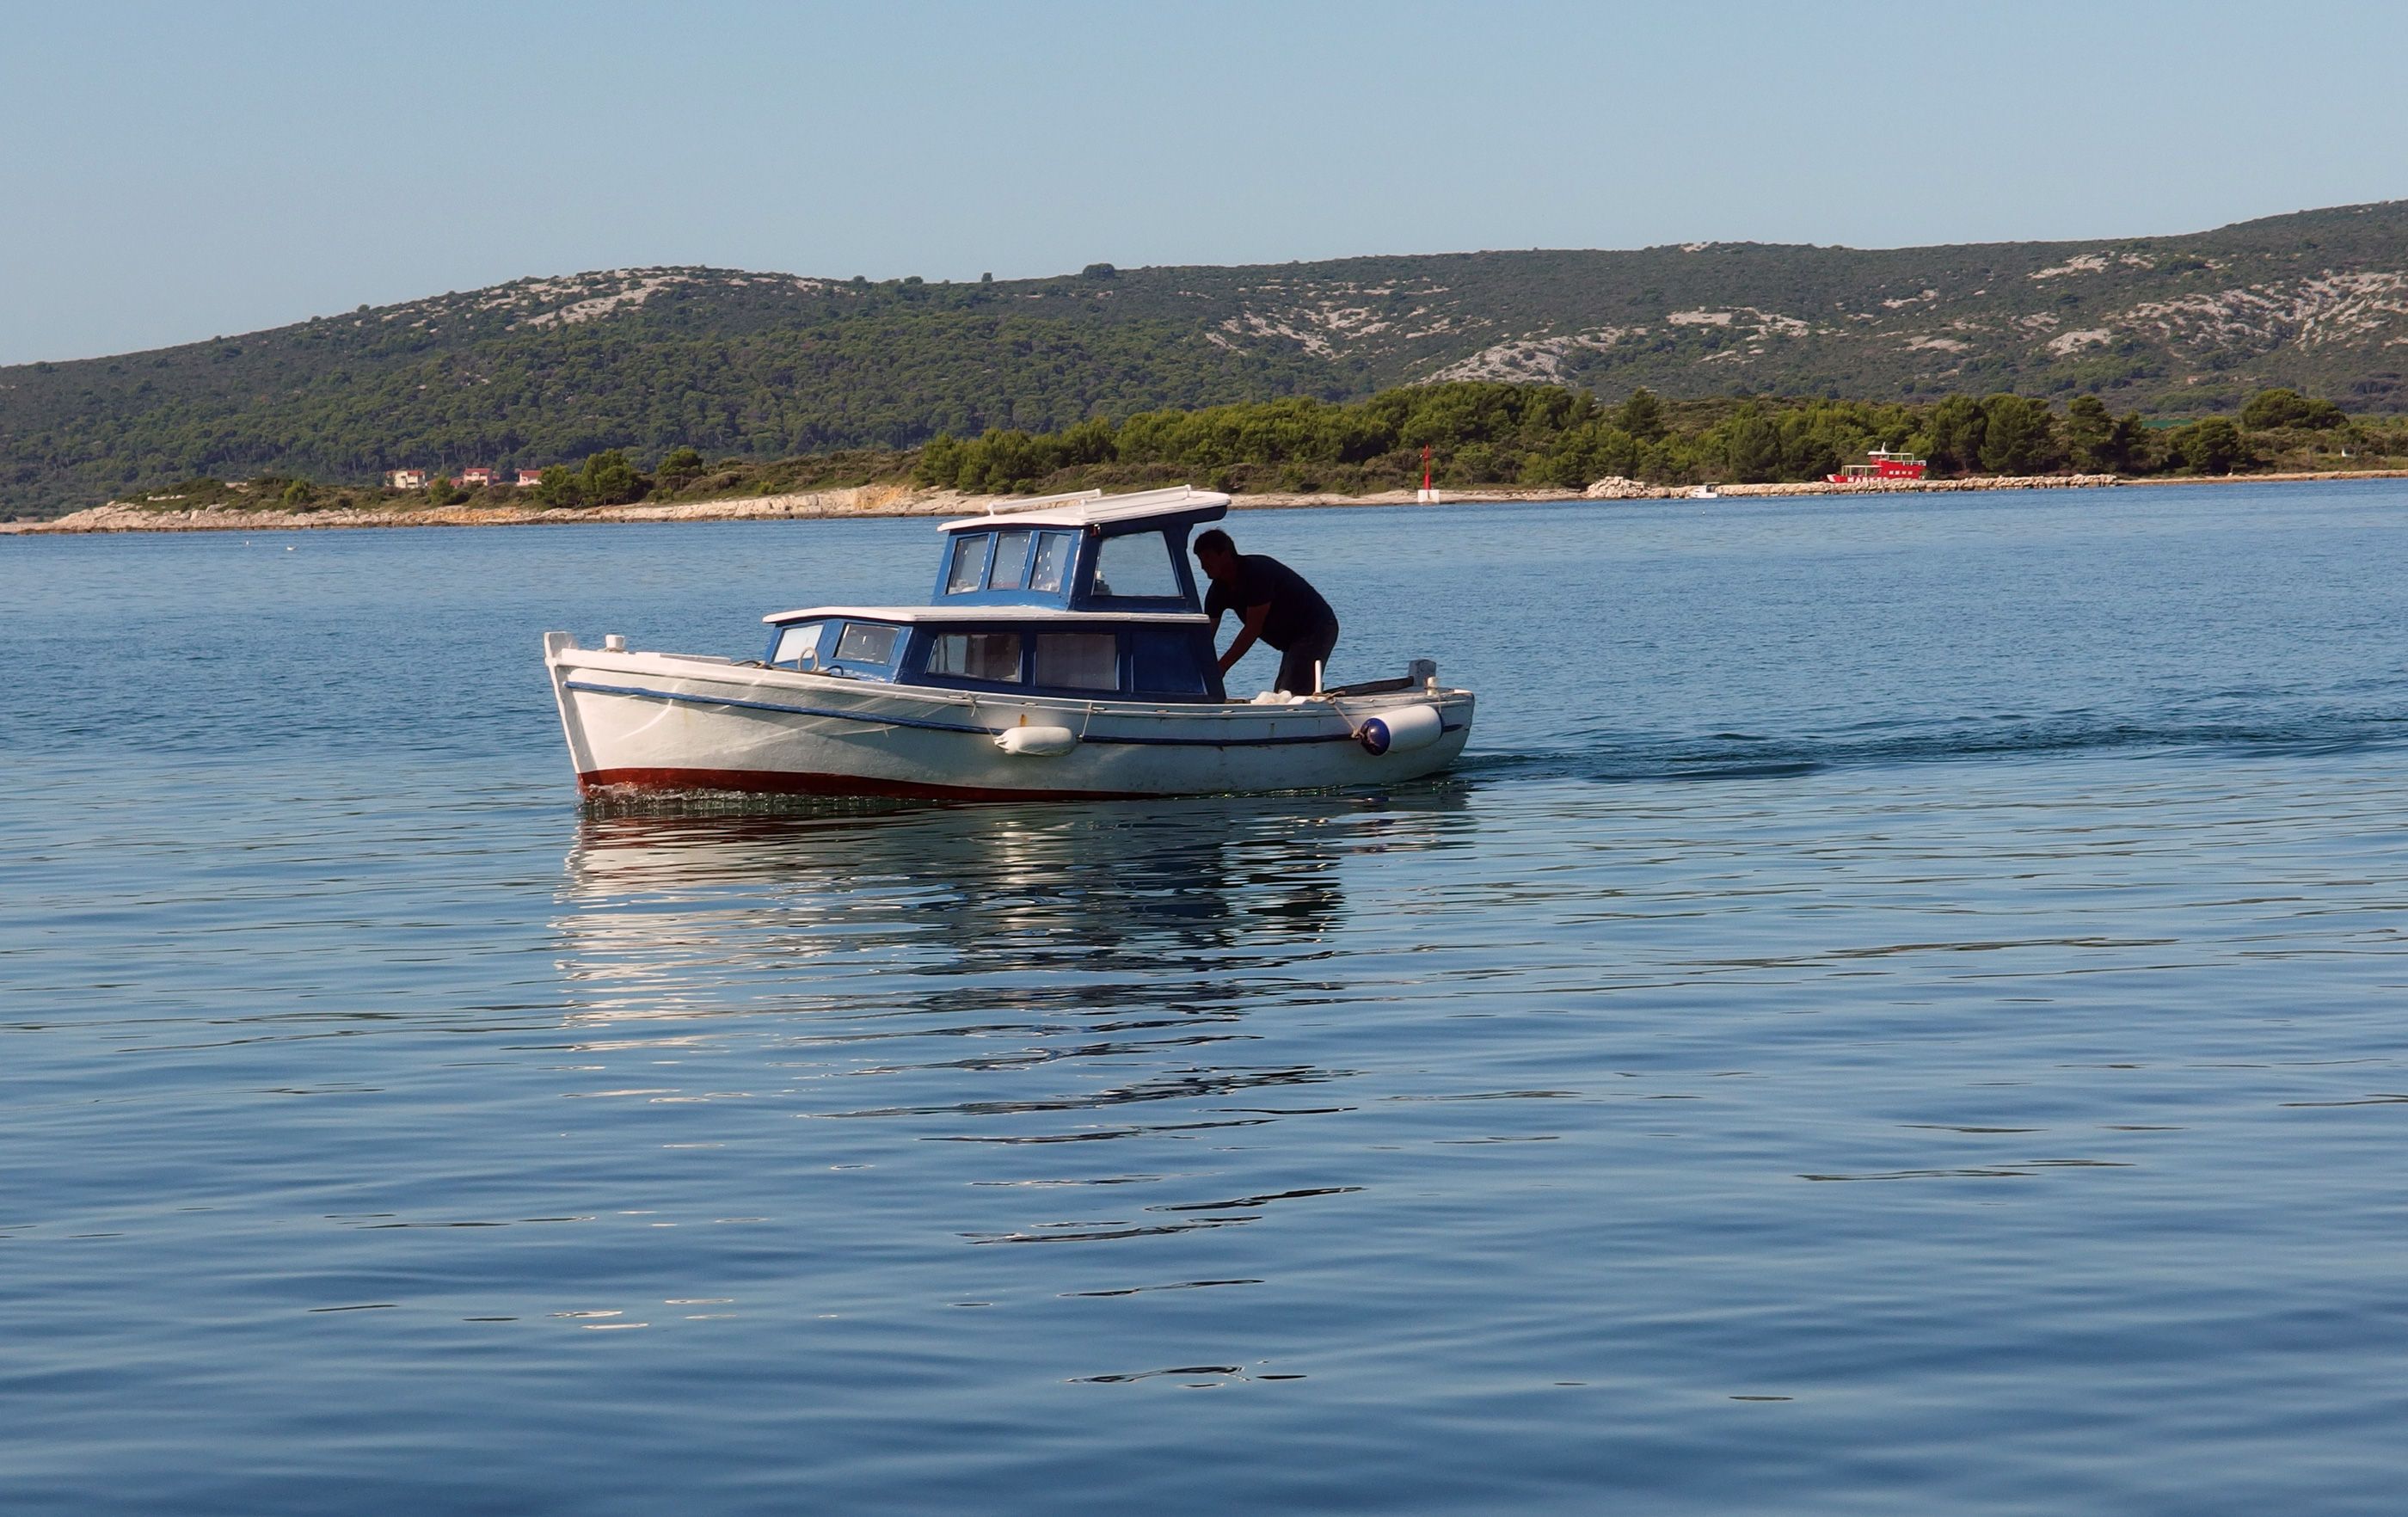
904, 501
1487, 442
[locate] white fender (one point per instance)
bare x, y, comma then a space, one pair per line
1400, 730
1039, 743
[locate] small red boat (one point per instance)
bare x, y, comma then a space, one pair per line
1881, 464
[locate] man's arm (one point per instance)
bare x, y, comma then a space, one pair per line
1251, 629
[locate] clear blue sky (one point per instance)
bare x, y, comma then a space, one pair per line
171, 172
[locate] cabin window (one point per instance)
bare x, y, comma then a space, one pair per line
798, 646
866, 644
1136, 563
1011, 561
1053, 562
967, 566
977, 655
1166, 664
1079, 660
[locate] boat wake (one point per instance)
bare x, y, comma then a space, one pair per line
1615, 756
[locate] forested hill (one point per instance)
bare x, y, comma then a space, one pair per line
736, 364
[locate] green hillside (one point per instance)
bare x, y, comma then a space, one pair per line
765, 365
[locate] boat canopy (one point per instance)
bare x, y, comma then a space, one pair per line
1146, 510
1087, 551
911, 615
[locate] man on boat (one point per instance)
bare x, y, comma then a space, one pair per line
1273, 603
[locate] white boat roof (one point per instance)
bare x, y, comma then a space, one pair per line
1092, 508
988, 611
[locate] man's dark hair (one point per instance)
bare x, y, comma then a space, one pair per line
1214, 541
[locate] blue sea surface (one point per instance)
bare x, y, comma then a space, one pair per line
1900, 1012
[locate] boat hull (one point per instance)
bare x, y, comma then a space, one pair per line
670, 723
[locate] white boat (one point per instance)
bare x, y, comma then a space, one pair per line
1065, 655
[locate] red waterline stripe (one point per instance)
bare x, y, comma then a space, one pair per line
781, 782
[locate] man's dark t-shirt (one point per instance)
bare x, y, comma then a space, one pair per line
1297, 608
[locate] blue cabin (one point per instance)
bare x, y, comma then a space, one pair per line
1083, 597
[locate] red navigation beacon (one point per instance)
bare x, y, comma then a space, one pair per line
1881, 464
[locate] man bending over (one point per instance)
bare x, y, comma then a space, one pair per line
1274, 604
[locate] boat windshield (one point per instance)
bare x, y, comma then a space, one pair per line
798, 646
1011, 561
1136, 563
967, 566
867, 643
1053, 562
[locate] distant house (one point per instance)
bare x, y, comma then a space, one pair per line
477, 477
528, 477
406, 479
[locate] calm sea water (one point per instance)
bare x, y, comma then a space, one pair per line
1901, 1012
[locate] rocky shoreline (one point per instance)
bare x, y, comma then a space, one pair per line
891, 500
862, 500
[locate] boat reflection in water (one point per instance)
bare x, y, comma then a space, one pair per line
1031, 888
857, 915
1001, 1024
982, 975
